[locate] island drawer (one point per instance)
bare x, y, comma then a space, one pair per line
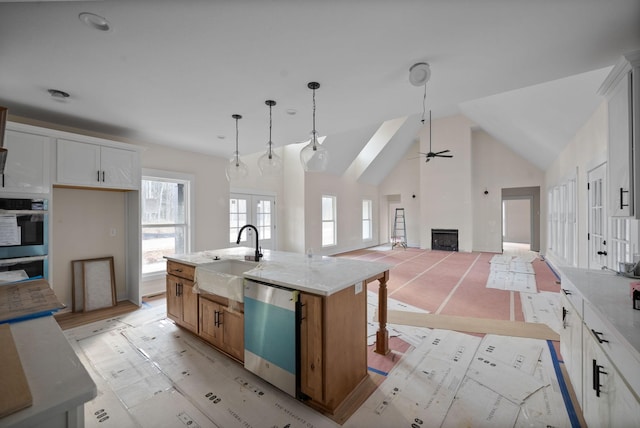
181, 270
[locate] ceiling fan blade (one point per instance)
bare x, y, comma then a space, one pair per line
444, 156
443, 151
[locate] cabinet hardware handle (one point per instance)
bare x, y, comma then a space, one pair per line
597, 371
103, 176
597, 335
177, 270
2, 180
566, 292
564, 317
216, 318
98, 177
602, 253
622, 191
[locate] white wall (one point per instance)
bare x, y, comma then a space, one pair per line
495, 167
445, 184
82, 220
403, 181
349, 195
585, 151
517, 221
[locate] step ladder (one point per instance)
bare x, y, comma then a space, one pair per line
399, 237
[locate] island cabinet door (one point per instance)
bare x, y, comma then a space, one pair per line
189, 306
311, 349
233, 333
210, 322
174, 301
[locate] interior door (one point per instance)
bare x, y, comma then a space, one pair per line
258, 210
597, 198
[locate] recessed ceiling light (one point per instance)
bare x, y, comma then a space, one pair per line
221, 137
94, 21
58, 94
292, 111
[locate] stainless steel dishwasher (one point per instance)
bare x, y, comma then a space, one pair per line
271, 334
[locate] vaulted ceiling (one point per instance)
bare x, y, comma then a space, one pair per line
173, 72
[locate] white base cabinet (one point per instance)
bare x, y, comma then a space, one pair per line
600, 346
607, 399
571, 341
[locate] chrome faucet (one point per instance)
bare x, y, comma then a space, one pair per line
258, 253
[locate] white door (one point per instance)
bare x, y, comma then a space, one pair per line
597, 198
258, 210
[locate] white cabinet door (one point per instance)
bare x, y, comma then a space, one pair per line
93, 165
608, 400
571, 344
27, 166
78, 163
621, 192
119, 168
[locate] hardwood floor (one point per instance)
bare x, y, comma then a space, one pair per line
69, 320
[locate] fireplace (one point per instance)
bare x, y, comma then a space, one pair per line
444, 239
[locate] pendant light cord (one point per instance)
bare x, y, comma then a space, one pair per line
424, 103
270, 143
237, 154
315, 139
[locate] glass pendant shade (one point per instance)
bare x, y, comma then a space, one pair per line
236, 169
270, 163
314, 156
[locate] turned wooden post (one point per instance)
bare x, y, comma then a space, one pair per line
382, 335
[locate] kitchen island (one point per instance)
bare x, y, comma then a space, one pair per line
332, 347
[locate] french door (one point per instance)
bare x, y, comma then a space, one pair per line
597, 199
258, 210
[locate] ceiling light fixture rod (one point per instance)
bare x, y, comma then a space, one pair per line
424, 104
236, 117
270, 103
313, 86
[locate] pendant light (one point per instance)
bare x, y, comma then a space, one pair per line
236, 169
270, 163
314, 156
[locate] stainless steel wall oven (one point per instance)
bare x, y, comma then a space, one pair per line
24, 239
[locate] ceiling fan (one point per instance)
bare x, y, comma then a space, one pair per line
419, 75
431, 153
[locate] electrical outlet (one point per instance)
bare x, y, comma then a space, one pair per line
358, 288
112, 232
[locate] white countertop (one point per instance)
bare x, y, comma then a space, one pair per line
609, 295
57, 379
317, 275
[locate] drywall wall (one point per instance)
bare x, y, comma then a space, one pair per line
83, 222
585, 151
401, 189
211, 192
517, 221
496, 167
445, 183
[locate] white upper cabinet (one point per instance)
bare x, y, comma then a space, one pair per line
622, 89
95, 165
27, 166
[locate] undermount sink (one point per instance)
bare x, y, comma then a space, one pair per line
224, 278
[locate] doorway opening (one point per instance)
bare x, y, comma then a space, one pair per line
521, 217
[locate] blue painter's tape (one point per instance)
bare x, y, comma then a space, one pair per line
552, 270
573, 417
380, 372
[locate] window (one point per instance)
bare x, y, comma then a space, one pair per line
367, 226
328, 221
165, 204
621, 230
237, 218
